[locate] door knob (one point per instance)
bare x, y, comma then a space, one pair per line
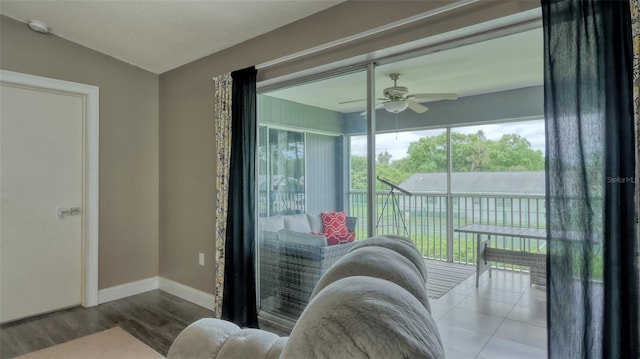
61, 212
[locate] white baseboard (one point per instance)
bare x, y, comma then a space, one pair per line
187, 293
127, 289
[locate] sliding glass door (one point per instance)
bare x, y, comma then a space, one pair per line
304, 156
403, 146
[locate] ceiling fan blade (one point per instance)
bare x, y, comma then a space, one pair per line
352, 101
433, 96
364, 99
377, 108
418, 108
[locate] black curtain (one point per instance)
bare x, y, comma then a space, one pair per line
239, 295
592, 278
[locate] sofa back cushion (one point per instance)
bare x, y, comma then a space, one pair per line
297, 223
271, 224
315, 222
364, 317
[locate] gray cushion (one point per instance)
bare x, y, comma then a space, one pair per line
369, 305
297, 223
269, 235
216, 338
366, 261
271, 224
398, 244
315, 222
308, 239
364, 317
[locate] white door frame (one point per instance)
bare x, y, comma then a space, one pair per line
91, 170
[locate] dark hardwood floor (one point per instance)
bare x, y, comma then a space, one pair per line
155, 318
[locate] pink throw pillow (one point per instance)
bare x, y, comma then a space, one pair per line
335, 228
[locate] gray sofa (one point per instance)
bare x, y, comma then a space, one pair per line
291, 262
371, 303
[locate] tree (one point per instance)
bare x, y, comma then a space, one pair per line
358, 172
478, 156
389, 171
514, 153
469, 153
384, 158
427, 155
472, 153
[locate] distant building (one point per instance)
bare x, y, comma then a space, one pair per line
523, 183
509, 198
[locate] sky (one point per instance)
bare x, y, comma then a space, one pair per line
398, 143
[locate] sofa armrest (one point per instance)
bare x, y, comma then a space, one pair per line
307, 239
215, 338
315, 253
292, 271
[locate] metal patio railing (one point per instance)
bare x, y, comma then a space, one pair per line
429, 223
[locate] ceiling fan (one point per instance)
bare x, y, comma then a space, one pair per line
397, 98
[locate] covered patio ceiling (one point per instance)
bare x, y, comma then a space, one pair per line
505, 63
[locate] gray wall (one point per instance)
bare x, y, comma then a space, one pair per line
292, 115
321, 181
128, 233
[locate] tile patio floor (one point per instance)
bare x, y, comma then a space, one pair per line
503, 318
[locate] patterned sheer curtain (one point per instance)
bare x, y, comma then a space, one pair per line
635, 32
222, 115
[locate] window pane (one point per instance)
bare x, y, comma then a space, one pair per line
284, 182
498, 178
304, 161
416, 162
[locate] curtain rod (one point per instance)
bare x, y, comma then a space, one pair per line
364, 34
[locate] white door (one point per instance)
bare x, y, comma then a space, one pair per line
41, 172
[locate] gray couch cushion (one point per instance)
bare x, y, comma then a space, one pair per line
308, 239
398, 244
366, 261
362, 312
269, 236
271, 224
315, 222
364, 318
297, 223
216, 338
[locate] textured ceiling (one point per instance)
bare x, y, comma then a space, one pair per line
161, 35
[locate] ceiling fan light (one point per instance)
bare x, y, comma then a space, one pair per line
395, 106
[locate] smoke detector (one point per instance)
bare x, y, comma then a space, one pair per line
39, 26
